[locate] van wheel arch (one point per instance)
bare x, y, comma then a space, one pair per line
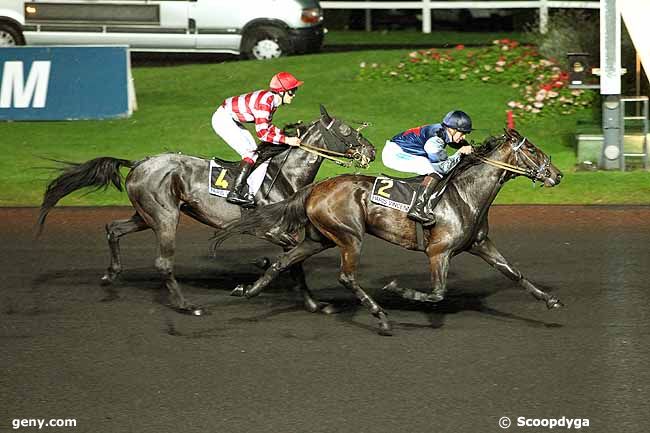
11, 30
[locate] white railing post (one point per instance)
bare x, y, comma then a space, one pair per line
543, 16
368, 19
426, 16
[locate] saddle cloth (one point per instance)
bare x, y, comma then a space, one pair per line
222, 177
393, 193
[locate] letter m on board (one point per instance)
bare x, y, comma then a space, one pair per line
15, 92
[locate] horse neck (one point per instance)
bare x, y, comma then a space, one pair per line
480, 183
299, 169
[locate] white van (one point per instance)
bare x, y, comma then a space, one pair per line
254, 28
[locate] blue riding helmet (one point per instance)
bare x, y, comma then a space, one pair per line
458, 120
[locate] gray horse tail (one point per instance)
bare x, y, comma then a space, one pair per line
98, 173
287, 216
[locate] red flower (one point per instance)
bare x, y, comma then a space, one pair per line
460, 46
546, 87
505, 41
564, 76
413, 60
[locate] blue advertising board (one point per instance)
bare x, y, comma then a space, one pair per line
64, 83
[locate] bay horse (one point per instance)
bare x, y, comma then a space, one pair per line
162, 186
337, 212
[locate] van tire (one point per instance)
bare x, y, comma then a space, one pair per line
265, 42
10, 36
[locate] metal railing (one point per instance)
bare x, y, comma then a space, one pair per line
641, 116
426, 6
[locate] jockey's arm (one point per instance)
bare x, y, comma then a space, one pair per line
267, 132
435, 149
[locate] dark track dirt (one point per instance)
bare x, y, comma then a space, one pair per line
118, 361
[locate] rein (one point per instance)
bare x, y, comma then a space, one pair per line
326, 153
534, 174
504, 165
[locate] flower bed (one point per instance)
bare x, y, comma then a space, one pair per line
541, 83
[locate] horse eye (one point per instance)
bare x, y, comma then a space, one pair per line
345, 129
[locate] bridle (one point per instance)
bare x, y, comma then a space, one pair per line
334, 139
532, 170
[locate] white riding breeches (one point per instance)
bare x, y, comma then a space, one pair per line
235, 135
242, 142
394, 157
256, 178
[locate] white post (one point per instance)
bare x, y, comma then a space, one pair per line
610, 86
368, 19
543, 16
426, 16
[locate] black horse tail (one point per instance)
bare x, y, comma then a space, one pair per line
98, 172
287, 216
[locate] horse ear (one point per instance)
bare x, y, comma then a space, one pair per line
324, 114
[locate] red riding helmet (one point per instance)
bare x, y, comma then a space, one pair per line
283, 82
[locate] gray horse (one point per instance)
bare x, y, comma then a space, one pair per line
163, 186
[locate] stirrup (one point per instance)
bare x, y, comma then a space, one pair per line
425, 220
245, 201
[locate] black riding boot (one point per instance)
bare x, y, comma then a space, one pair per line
418, 211
236, 194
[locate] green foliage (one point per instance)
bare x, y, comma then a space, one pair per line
541, 84
176, 103
568, 31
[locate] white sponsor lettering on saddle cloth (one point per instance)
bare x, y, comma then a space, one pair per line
392, 193
221, 179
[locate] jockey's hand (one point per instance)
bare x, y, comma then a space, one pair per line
466, 150
293, 141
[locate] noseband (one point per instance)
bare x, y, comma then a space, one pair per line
534, 171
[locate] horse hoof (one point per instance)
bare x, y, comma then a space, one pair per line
554, 303
238, 291
330, 309
312, 306
263, 263
385, 330
198, 311
391, 287
107, 280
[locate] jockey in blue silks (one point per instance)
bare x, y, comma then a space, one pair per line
422, 151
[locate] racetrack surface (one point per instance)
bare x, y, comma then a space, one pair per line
116, 360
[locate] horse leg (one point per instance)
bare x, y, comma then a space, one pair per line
311, 304
114, 231
439, 267
350, 252
165, 229
488, 252
297, 255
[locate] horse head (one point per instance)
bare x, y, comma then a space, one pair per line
530, 158
340, 137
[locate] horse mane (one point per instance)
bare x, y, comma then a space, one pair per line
484, 149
